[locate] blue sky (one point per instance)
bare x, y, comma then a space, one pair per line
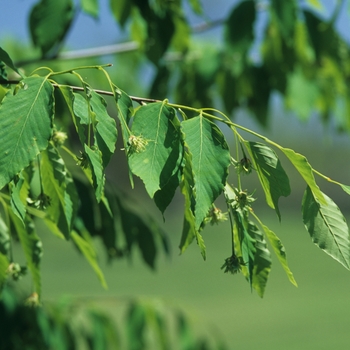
88, 32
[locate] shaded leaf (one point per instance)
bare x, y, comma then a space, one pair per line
327, 227
304, 168
239, 34
105, 128
49, 22
25, 125
136, 324
97, 173
239, 28
210, 161
272, 176
4, 57
18, 201
246, 242
159, 159
262, 260
89, 253
75, 106
4, 235
140, 232
285, 15
32, 247
54, 184
121, 10
187, 189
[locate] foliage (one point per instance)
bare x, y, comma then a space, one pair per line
59, 134
148, 325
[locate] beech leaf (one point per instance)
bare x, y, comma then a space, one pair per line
25, 125
327, 227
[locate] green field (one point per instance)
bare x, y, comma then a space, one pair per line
312, 316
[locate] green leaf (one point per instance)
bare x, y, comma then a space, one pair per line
89, 253
272, 176
301, 94
97, 173
285, 15
4, 264
327, 227
32, 247
187, 187
345, 188
4, 235
210, 161
262, 260
105, 128
76, 105
242, 230
239, 28
141, 231
19, 192
279, 250
54, 185
25, 125
121, 10
304, 168
196, 6
159, 159
4, 57
90, 7
49, 22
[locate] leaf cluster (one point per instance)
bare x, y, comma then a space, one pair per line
168, 146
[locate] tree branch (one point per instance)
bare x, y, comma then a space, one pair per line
139, 100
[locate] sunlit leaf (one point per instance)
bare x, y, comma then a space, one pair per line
196, 6
301, 94
32, 247
49, 23
158, 157
210, 161
4, 264
25, 125
346, 188
90, 7
304, 168
279, 250
89, 253
327, 227
272, 176
316, 4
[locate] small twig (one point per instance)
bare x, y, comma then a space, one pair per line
81, 89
